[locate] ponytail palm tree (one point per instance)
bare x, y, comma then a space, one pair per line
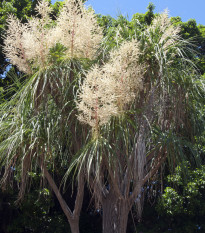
140, 109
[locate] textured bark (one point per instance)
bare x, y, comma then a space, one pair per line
115, 214
74, 225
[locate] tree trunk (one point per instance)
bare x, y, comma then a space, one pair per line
72, 217
74, 225
115, 214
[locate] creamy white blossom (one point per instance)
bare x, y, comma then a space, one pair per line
28, 45
13, 44
43, 9
78, 30
108, 90
124, 66
168, 34
96, 100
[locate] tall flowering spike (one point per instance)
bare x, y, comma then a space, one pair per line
168, 34
13, 44
78, 30
97, 100
43, 9
39, 39
108, 91
28, 45
127, 72
162, 21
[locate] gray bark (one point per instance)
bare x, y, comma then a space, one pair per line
115, 214
74, 225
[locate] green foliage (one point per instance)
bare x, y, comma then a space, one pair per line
181, 207
1, 94
37, 213
196, 35
185, 201
149, 15
144, 19
171, 201
35, 217
57, 54
120, 29
56, 8
11, 84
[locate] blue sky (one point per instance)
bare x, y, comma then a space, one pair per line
186, 9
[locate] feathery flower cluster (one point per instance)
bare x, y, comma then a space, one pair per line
97, 101
121, 79
28, 45
108, 90
125, 68
13, 47
78, 30
168, 34
38, 40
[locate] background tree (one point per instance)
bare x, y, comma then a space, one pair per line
184, 203
195, 34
